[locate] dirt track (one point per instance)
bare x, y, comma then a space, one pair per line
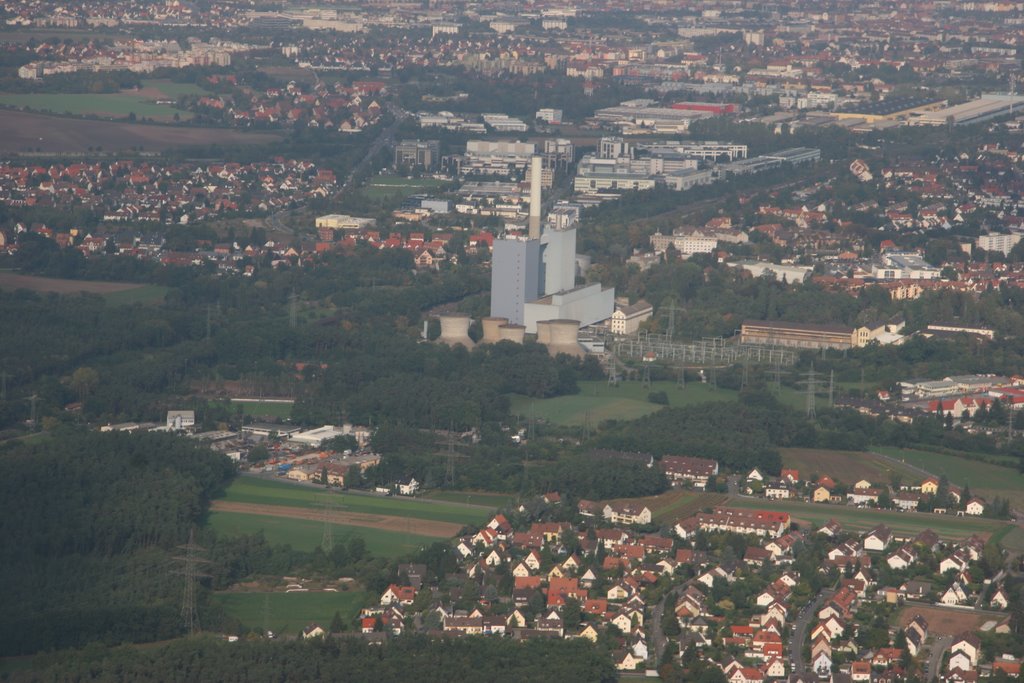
420, 527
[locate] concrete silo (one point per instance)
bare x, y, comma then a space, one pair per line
492, 327
563, 336
455, 330
512, 333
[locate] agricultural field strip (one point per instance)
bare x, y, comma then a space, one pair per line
421, 527
844, 466
983, 478
306, 535
257, 491
900, 522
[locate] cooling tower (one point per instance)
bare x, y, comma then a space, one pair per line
544, 332
455, 330
512, 333
492, 327
563, 337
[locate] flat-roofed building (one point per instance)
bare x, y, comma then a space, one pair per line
797, 335
418, 154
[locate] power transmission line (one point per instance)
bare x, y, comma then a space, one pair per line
191, 561
810, 388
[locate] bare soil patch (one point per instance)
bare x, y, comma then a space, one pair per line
946, 621
420, 527
51, 284
26, 132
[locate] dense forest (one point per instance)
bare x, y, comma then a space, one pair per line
89, 526
347, 659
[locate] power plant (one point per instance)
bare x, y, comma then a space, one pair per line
533, 278
455, 330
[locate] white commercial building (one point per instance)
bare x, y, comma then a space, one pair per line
589, 304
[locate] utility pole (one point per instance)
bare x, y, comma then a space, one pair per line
191, 562
831, 388
671, 307
34, 398
811, 387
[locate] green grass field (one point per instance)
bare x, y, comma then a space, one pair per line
272, 492
288, 613
307, 535
984, 479
391, 187
482, 498
172, 89
281, 410
597, 402
628, 401
854, 519
114, 105
145, 295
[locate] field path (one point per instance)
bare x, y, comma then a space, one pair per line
420, 527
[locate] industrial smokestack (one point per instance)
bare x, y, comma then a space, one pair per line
536, 163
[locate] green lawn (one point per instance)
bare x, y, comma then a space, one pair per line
146, 294
307, 535
984, 479
386, 187
172, 89
116, 105
272, 492
597, 401
281, 410
289, 613
482, 498
855, 519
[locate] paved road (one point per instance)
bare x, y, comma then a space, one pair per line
800, 630
658, 638
938, 648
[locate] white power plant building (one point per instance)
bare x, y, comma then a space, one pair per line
533, 279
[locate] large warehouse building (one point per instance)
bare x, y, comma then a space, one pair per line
984, 108
797, 335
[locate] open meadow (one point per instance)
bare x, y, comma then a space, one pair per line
599, 401
116, 293
27, 132
903, 524
676, 504
307, 534
255, 490
985, 479
844, 466
287, 614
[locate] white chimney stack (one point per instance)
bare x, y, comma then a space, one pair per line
535, 196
